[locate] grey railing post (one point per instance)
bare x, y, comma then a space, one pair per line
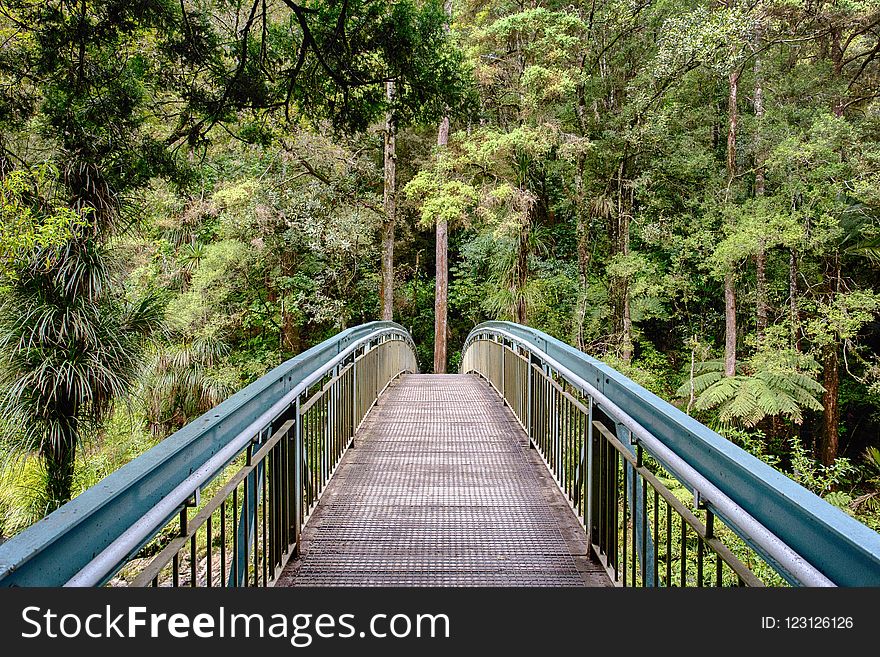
503, 373
529, 383
297, 479
588, 485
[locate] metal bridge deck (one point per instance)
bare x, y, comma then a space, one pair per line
441, 489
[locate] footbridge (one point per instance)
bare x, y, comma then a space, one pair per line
536, 465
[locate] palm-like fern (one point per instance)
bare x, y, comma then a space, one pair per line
181, 383
753, 394
69, 346
871, 499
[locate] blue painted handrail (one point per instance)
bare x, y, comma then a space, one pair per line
843, 549
51, 551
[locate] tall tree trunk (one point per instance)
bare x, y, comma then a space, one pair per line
729, 325
831, 408
626, 351
441, 256
762, 307
583, 252
730, 276
619, 285
831, 377
761, 292
290, 335
794, 313
732, 125
829, 438
290, 339
59, 460
521, 272
441, 284
837, 62
583, 219
390, 210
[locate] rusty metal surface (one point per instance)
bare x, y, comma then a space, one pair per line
442, 490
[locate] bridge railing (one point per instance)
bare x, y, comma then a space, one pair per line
222, 501
624, 457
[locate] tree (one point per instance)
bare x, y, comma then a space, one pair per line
71, 341
441, 255
390, 188
70, 347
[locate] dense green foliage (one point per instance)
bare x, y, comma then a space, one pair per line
628, 177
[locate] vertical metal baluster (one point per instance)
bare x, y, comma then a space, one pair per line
635, 510
257, 539
584, 477
613, 495
270, 482
193, 558
668, 544
210, 550
625, 512
569, 433
699, 561
557, 460
305, 454
310, 456
308, 442
247, 525
569, 472
334, 432
531, 429
542, 409
325, 436
656, 536
548, 414
297, 476
267, 540
588, 509
279, 528
318, 440
601, 519
644, 565
283, 493
234, 578
183, 532
683, 552
314, 464
223, 579
605, 503
545, 431
316, 453
539, 412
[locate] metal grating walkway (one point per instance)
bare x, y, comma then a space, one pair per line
441, 489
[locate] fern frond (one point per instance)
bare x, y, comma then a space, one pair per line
745, 406
718, 393
700, 382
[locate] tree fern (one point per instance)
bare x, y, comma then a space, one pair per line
757, 391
